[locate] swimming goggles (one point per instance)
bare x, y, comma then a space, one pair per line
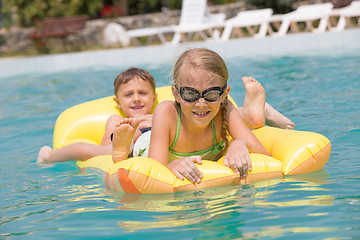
190, 94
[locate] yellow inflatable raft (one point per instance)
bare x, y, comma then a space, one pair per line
293, 152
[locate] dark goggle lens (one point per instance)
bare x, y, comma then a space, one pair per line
192, 95
212, 95
189, 95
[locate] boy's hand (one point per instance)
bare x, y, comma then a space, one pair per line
185, 167
147, 117
238, 158
145, 121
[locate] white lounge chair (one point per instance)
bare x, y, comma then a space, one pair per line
195, 19
115, 34
345, 14
248, 19
305, 13
150, 32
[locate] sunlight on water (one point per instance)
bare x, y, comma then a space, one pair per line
320, 94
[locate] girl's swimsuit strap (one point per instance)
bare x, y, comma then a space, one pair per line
177, 129
214, 147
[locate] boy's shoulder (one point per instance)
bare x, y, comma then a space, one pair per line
114, 118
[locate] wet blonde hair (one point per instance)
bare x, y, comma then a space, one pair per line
210, 62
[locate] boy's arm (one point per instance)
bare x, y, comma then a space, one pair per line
109, 128
145, 121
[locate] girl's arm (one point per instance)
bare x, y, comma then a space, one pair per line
238, 130
237, 156
160, 132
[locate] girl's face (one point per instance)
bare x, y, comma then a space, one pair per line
136, 97
201, 111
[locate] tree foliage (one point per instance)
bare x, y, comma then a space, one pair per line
279, 6
24, 12
149, 6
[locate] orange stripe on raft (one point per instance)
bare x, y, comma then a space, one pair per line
125, 182
107, 180
313, 163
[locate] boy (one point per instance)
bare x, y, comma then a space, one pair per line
135, 95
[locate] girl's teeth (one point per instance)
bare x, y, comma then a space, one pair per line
201, 113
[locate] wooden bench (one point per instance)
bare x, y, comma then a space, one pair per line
59, 27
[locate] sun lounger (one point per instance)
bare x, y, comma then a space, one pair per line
248, 19
345, 14
307, 14
150, 32
195, 21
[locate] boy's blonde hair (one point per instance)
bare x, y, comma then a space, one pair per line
129, 74
210, 62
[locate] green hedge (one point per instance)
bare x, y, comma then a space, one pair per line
24, 12
279, 6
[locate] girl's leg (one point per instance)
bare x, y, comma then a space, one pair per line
256, 112
275, 119
75, 151
253, 112
123, 138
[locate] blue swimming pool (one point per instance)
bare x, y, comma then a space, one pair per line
319, 93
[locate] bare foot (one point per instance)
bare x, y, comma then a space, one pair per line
254, 103
123, 134
276, 119
44, 155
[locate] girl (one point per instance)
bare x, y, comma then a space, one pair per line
196, 125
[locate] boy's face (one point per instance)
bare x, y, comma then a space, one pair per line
135, 98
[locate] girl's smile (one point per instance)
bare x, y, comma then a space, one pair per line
201, 114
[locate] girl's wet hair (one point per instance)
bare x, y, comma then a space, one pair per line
210, 62
200, 59
130, 74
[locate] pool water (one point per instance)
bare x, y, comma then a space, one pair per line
58, 201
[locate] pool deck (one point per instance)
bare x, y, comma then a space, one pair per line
328, 43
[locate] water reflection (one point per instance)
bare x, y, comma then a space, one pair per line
222, 204
307, 183
278, 231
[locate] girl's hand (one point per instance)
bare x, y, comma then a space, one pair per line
185, 167
238, 158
